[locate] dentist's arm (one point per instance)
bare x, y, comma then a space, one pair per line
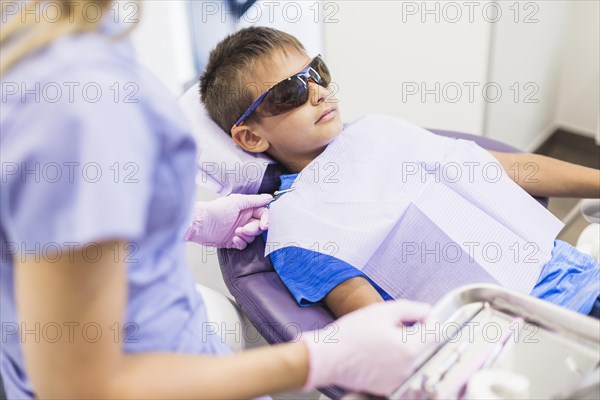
545, 176
75, 290
70, 291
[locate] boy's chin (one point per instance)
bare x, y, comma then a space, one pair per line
337, 128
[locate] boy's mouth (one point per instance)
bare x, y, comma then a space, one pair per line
327, 115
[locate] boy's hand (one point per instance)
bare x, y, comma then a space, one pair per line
232, 222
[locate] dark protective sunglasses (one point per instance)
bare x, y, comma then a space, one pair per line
290, 93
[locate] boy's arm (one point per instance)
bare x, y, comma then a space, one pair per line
351, 295
545, 176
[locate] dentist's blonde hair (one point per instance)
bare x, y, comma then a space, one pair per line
27, 31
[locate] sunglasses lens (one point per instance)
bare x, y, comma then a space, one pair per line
293, 92
321, 69
284, 96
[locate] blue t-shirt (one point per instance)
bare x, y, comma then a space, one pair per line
570, 279
310, 275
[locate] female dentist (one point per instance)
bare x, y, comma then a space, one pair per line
97, 184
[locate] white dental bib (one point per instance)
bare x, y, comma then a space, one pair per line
419, 214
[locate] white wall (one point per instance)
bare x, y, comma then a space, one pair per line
579, 100
162, 41
379, 51
542, 55
531, 56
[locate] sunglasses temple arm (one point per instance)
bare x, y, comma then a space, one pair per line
251, 109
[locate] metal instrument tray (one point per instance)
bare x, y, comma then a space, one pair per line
490, 327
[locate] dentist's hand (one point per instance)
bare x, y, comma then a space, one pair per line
232, 221
370, 351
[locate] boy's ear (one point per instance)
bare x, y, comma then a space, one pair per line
248, 140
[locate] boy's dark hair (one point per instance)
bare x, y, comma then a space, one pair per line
223, 90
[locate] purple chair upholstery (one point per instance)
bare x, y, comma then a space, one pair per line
261, 294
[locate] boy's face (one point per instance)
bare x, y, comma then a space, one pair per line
296, 137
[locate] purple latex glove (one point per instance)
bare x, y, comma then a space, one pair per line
370, 351
231, 222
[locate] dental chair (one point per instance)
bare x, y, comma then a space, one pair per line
250, 277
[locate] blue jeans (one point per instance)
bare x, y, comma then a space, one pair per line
570, 279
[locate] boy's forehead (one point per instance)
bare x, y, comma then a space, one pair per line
278, 66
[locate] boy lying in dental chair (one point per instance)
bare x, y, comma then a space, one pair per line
383, 209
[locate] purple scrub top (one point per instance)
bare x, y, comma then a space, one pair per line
94, 148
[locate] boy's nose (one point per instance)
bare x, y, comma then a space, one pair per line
318, 93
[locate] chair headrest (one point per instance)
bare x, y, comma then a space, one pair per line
222, 166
